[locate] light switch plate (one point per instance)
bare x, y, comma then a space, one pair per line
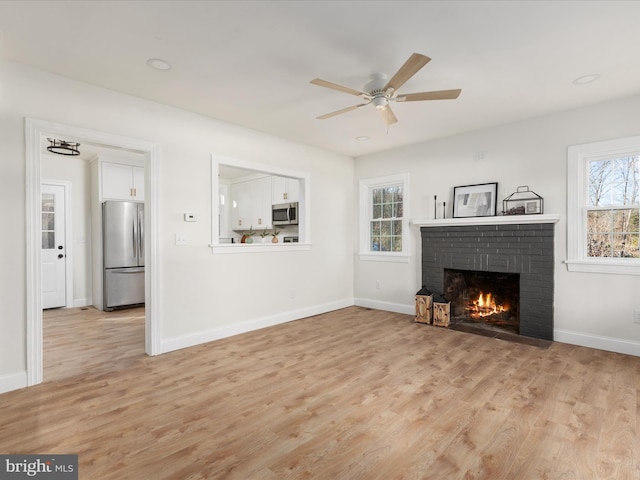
190, 217
181, 239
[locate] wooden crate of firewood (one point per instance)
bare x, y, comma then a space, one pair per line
441, 312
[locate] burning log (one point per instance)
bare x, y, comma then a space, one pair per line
485, 306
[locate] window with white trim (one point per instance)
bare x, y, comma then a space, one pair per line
383, 218
604, 207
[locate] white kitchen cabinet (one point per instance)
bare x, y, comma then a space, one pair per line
121, 182
284, 190
251, 204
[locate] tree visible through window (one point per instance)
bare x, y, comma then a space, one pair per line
613, 207
386, 219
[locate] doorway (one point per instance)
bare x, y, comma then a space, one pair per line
57, 285
35, 132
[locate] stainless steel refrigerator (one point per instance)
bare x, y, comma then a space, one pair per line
123, 254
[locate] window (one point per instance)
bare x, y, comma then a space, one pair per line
604, 207
259, 186
612, 207
383, 214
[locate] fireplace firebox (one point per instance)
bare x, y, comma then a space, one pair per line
489, 300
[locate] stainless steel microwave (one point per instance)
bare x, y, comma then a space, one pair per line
284, 214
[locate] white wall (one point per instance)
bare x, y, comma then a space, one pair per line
590, 309
202, 295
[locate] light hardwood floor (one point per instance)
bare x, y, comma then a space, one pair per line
352, 394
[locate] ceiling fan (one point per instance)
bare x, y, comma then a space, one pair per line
380, 92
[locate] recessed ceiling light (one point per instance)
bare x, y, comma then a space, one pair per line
158, 64
362, 138
586, 79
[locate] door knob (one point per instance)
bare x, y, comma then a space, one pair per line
60, 247
60, 255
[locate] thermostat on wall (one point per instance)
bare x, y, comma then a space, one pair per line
190, 217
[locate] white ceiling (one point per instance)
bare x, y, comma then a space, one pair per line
250, 62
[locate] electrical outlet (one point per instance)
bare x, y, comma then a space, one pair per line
636, 316
378, 285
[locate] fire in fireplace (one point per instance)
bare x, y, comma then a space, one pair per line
484, 299
485, 306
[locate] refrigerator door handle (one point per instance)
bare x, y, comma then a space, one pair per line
134, 234
140, 238
126, 270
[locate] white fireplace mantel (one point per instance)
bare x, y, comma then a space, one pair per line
498, 220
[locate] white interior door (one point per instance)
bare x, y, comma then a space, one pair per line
54, 257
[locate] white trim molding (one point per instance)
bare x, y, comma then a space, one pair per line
385, 306
498, 220
13, 381
384, 257
599, 342
205, 336
259, 247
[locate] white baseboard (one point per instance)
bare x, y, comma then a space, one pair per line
176, 343
596, 341
13, 381
386, 306
81, 302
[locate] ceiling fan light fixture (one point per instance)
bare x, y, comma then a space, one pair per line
62, 147
380, 103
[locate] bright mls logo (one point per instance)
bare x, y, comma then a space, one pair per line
50, 467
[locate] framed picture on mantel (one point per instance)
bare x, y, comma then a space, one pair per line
475, 200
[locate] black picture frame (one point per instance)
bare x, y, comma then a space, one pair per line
477, 200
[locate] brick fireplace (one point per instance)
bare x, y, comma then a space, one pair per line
520, 246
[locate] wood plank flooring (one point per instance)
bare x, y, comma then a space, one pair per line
352, 394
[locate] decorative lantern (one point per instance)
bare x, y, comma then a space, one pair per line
441, 312
424, 301
523, 202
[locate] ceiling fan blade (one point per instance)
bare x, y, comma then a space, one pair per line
388, 116
335, 86
437, 95
339, 112
409, 69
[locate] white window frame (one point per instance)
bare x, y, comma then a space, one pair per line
578, 157
365, 188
